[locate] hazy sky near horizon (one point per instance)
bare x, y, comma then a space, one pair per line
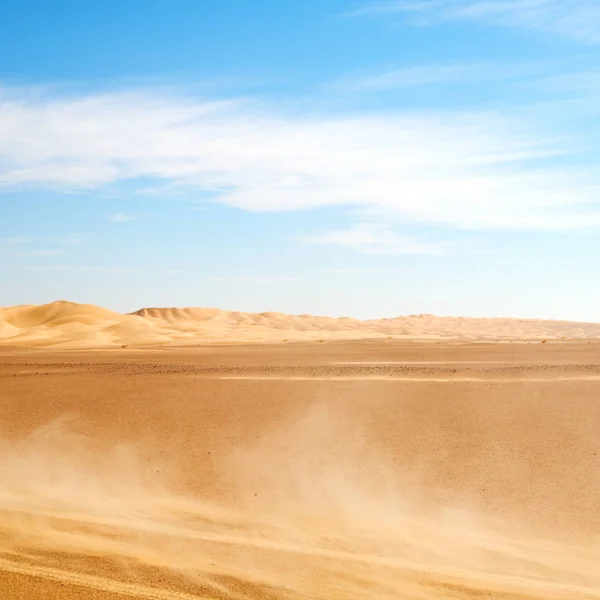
362, 158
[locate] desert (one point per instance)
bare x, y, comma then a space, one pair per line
299, 300
208, 459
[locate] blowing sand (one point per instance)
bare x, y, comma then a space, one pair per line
77, 326
467, 471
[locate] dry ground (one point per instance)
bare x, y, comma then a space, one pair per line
376, 469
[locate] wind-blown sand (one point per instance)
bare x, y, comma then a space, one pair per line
69, 325
466, 471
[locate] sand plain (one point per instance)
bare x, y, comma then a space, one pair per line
372, 469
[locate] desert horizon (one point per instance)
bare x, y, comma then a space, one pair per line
64, 324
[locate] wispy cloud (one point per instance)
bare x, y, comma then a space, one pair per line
121, 217
377, 238
73, 239
465, 170
425, 75
68, 239
15, 241
575, 19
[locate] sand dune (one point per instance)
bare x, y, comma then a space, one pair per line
70, 325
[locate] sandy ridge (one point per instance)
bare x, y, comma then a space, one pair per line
69, 325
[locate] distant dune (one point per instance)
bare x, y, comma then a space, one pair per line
69, 325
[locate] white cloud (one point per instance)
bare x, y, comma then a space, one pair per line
15, 241
121, 217
69, 239
377, 238
477, 170
575, 19
424, 75
73, 239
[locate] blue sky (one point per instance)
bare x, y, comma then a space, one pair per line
334, 157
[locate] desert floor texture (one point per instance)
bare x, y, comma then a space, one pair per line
343, 469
